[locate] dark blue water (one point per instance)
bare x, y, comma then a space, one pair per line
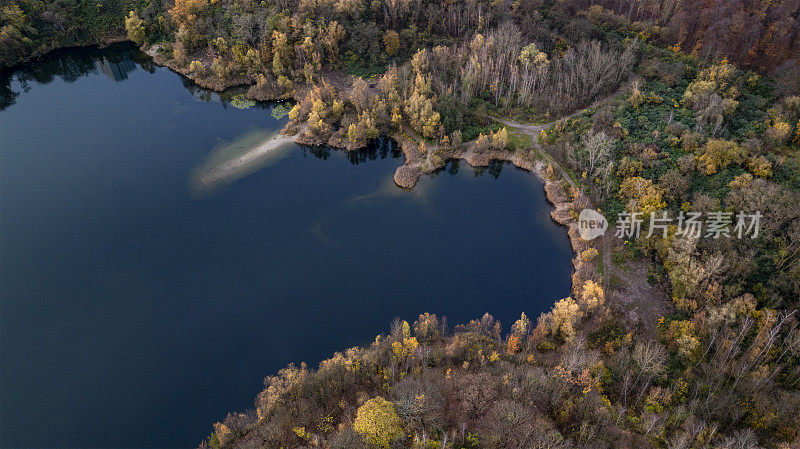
136, 311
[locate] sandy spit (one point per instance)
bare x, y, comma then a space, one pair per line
241, 165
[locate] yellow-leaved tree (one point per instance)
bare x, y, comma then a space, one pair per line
134, 26
378, 423
642, 194
718, 154
592, 296
562, 319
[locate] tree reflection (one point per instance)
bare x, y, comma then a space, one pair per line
495, 167
115, 62
380, 148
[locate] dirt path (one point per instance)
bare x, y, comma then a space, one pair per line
533, 132
607, 264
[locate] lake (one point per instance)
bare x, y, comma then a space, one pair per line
136, 308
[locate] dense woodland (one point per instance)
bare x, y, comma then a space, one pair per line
671, 106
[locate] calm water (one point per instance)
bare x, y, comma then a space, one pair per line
137, 310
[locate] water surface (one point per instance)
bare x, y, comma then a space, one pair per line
135, 311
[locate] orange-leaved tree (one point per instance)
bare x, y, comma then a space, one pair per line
185, 12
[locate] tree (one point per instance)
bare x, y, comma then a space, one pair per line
642, 194
419, 403
377, 421
531, 55
280, 53
197, 68
396, 10
483, 142
712, 95
522, 326
562, 319
594, 156
500, 139
718, 154
332, 35
421, 115
13, 30
391, 40
360, 96
650, 357
426, 327
674, 184
684, 339
592, 296
186, 12
135, 28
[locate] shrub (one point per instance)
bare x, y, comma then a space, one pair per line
759, 166
589, 255
778, 133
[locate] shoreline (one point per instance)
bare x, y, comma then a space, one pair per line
100, 44
407, 175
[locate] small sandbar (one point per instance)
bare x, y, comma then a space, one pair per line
234, 160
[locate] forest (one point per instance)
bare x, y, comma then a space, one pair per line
650, 106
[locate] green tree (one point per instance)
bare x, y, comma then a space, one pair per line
13, 29
391, 40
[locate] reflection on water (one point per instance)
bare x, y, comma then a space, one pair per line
388, 188
380, 148
115, 62
116, 70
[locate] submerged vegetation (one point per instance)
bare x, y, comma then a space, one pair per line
672, 340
